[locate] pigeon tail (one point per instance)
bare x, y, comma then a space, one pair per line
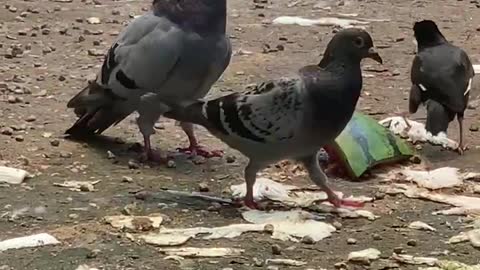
192, 112
94, 107
438, 117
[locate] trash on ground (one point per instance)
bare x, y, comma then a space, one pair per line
12, 176
476, 69
451, 265
135, 223
291, 225
464, 205
287, 226
364, 144
417, 132
419, 225
85, 267
36, 240
364, 256
191, 252
473, 236
446, 177
289, 195
326, 21
284, 262
85, 186
409, 259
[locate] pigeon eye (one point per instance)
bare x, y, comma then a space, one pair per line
359, 42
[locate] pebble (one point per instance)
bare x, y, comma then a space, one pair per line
276, 250
337, 225
398, 250
110, 155
93, 254
230, 159
31, 118
474, 128
203, 187
19, 138
55, 143
377, 237
412, 242
127, 179
379, 195
171, 164
133, 165
269, 228
7, 131
65, 154
351, 241
308, 240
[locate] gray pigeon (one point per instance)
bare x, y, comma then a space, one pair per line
441, 78
290, 118
174, 52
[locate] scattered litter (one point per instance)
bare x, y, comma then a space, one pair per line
419, 225
191, 252
364, 256
176, 258
409, 259
135, 223
289, 195
476, 69
36, 240
285, 262
291, 225
345, 213
464, 205
452, 265
85, 186
445, 177
473, 236
417, 132
85, 267
287, 226
93, 20
326, 21
12, 176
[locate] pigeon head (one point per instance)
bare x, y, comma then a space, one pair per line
351, 44
427, 33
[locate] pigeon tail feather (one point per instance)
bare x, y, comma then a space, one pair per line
93, 105
438, 117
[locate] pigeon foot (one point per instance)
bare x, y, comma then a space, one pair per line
201, 151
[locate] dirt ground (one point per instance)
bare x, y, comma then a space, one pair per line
56, 51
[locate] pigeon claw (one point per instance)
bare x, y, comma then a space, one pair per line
337, 202
250, 203
461, 149
201, 151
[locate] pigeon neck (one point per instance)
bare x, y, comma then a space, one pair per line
201, 16
430, 40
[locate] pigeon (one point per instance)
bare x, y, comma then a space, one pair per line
441, 78
290, 117
175, 51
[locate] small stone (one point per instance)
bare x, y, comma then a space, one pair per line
268, 228
308, 240
7, 131
231, 159
12, 99
73, 216
398, 250
276, 250
416, 159
66, 155
197, 160
93, 254
133, 165
377, 237
474, 128
379, 195
171, 164
19, 138
127, 179
258, 262
110, 155
412, 243
340, 265
93, 20
95, 52
31, 118
351, 241
55, 143
337, 225
203, 187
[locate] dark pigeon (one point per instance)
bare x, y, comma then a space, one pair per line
174, 52
441, 78
292, 117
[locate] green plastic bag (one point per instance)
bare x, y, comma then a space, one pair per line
364, 143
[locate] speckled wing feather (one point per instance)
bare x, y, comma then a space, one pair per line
270, 113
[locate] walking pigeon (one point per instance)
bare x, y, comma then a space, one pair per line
441, 78
174, 52
290, 117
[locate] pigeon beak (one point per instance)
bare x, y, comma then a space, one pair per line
374, 55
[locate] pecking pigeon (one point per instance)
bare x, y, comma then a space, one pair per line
290, 117
174, 52
441, 78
